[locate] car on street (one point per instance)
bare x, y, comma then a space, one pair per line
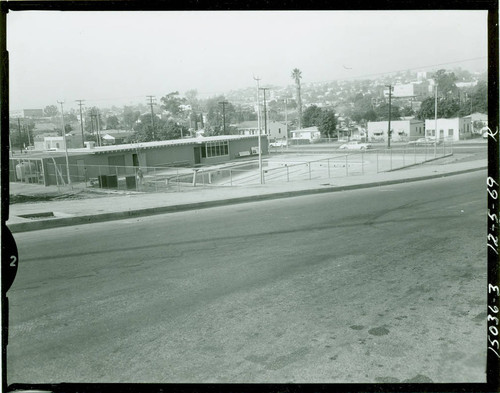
278, 144
355, 145
424, 142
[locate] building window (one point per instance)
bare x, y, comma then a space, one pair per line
450, 132
57, 145
279, 130
215, 149
468, 129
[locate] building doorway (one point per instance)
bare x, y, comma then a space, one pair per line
197, 155
135, 159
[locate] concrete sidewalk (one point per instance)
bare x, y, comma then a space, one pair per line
34, 216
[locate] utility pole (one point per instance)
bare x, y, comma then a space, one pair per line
224, 103
20, 135
98, 123
81, 120
389, 125
27, 131
435, 120
257, 79
286, 121
64, 138
151, 98
265, 110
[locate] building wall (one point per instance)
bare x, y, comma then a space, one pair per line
276, 130
402, 130
169, 155
93, 163
457, 128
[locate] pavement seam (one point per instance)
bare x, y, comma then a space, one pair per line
70, 221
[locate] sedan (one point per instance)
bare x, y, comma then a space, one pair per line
355, 145
424, 142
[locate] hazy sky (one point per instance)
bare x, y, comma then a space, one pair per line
114, 58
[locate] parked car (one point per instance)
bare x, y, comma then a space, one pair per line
424, 142
355, 145
278, 144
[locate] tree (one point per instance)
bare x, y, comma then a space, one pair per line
172, 103
130, 116
407, 111
297, 76
328, 124
383, 112
446, 82
479, 97
312, 116
447, 107
51, 110
191, 98
112, 122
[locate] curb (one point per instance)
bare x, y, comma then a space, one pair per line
90, 219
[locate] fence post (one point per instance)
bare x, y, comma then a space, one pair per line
377, 160
328, 161
390, 159
415, 154
404, 154
309, 165
178, 183
287, 173
154, 179
362, 162
346, 165
425, 156
230, 178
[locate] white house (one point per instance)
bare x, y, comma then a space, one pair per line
457, 128
401, 130
275, 129
310, 134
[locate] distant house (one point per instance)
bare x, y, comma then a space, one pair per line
275, 129
401, 130
457, 128
116, 137
478, 117
310, 134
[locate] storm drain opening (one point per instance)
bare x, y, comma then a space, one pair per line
37, 215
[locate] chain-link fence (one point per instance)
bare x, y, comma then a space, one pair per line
283, 168
26, 170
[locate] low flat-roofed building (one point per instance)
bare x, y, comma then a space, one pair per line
457, 128
401, 130
93, 161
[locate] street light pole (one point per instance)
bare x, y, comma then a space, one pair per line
435, 120
265, 110
389, 124
64, 138
286, 121
259, 131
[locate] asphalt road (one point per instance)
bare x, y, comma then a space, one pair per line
375, 285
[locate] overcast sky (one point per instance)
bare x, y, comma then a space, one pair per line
115, 58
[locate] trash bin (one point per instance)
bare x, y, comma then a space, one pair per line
130, 182
103, 181
112, 181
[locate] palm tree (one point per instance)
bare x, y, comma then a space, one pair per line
297, 75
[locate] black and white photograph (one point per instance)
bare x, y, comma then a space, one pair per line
249, 197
